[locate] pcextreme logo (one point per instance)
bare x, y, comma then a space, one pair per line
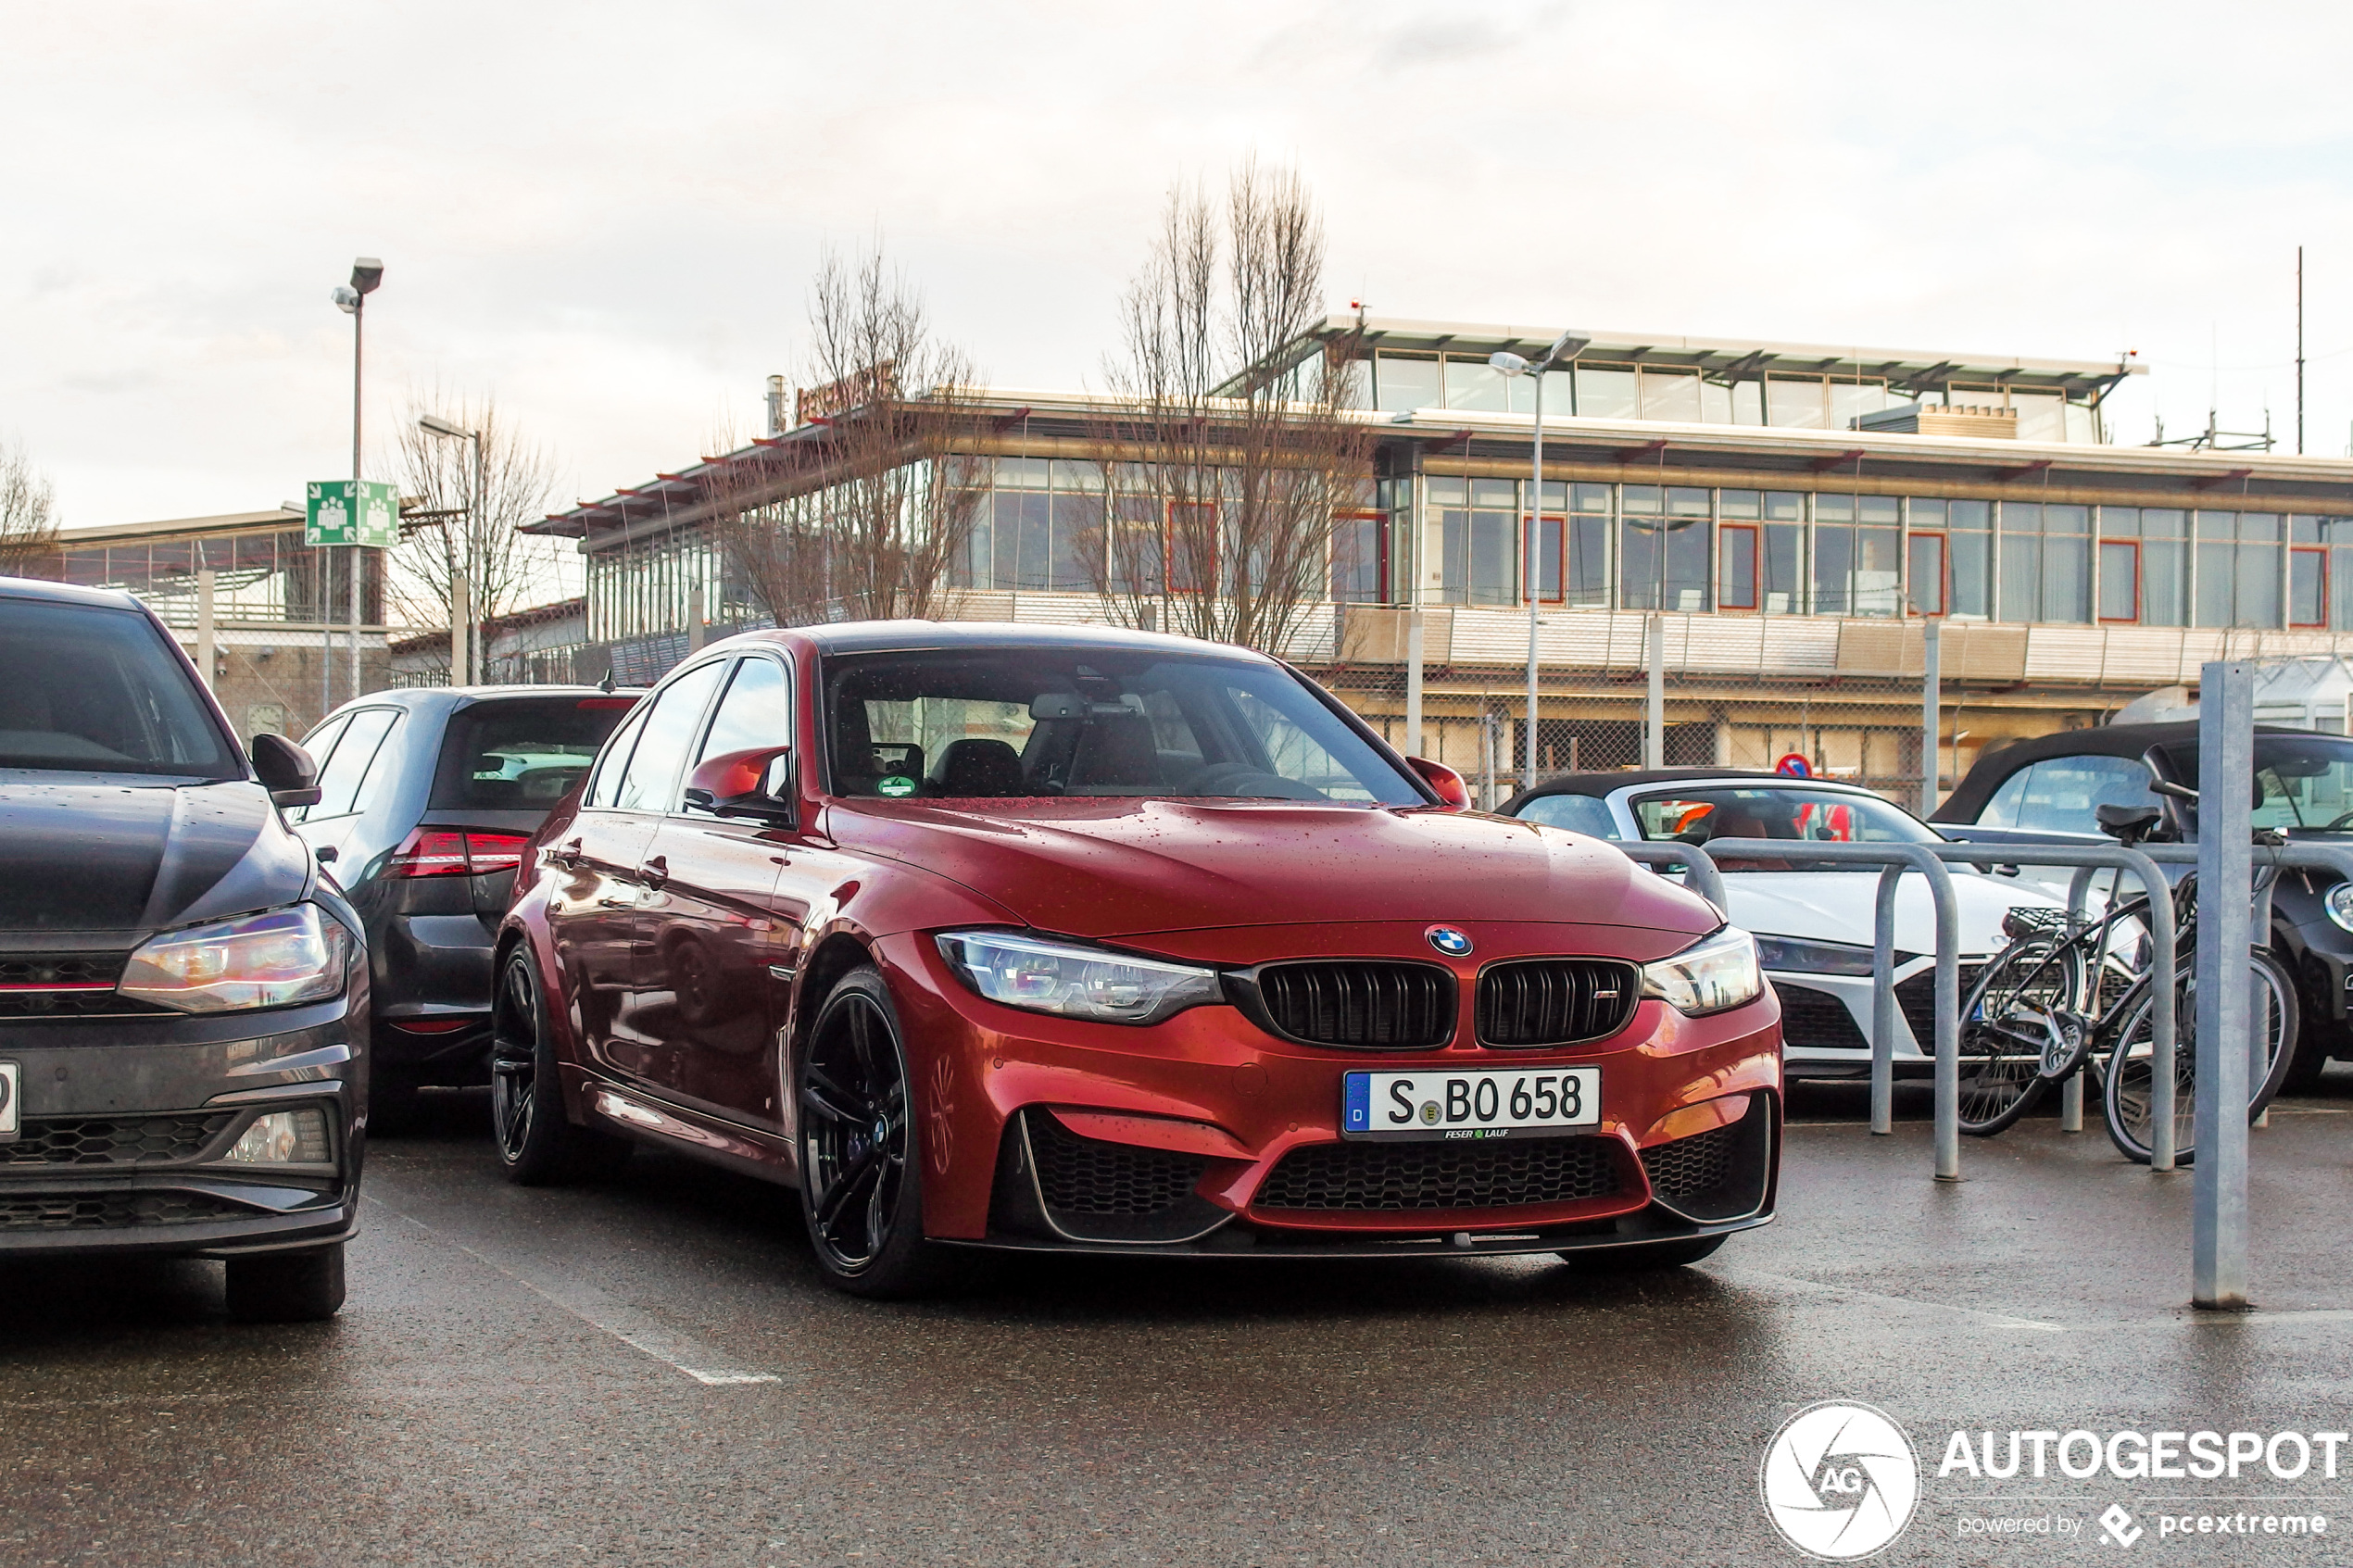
1840, 1480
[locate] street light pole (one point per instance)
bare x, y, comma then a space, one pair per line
1511, 364
367, 276
471, 656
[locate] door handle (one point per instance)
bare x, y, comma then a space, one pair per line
654, 872
609, 902
567, 855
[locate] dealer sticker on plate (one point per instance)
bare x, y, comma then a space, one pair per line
11, 1080
1479, 1103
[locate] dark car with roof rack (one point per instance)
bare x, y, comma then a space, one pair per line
427, 796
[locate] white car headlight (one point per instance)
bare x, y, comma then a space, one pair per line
1075, 981
2338, 902
1716, 973
297, 953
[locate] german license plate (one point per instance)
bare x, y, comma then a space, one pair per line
1477, 1103
11, 1113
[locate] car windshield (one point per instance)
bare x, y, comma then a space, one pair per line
1696, 816
93, 689
997, 722
2303, 783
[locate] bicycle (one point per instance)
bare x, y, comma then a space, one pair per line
2049, 1003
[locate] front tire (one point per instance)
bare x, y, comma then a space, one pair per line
860, 1159
287, 1286
538, 1145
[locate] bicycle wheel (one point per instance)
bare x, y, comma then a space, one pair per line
2015, 1035
2127, 1095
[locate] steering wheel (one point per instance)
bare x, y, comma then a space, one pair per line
2339, 822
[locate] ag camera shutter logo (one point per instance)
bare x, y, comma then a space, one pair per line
1840, 1480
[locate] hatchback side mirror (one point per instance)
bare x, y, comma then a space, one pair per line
1447, 784
286, 771
745, 783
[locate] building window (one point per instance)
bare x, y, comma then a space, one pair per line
2120, 580
1784, 553
1670, 395
1403, 383
1476, 541
1794, 401
2238, 566
1360, 559
1969, 547
1663, 547
2046, 565
1589, 545
2308, 586
1736, 566
1606, 393
1924, 573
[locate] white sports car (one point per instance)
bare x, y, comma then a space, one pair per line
1813, 926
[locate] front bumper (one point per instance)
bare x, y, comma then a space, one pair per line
1199, 1134
124, 1123
1826, 1019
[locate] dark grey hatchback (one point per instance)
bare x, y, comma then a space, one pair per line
426, 800
183, 1001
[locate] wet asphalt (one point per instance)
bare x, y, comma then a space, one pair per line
649, 1372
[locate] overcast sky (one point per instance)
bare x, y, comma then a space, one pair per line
606, 215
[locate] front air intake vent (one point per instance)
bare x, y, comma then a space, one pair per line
1555, 1001
1388, 1177
1358, 1004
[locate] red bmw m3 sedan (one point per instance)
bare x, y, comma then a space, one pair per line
1085, 940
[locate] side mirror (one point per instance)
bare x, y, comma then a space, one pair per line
286, 771
757, 782
1451, 789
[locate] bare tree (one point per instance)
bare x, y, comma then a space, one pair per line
1229, 472
448, 532
28, 513
869, 521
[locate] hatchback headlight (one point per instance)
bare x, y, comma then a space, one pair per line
1815, 957
1077, 981
2338, 902
297, 953
1714, 973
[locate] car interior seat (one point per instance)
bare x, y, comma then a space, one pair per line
1116, 751
978, 766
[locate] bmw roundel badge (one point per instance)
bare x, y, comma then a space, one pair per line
1449, 941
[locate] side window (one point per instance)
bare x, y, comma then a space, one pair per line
2059, 794
650, 781
1578, 813
339, 781
606, 787
320, 744
754, 715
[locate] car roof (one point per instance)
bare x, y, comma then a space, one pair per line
1605, 783
899, 636
453, 699
1987, 773
66, 592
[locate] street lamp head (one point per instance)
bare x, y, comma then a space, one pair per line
441, 427
1510, 364
367, 274
346, 301
1567, 343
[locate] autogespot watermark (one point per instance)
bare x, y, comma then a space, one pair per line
1841, 1481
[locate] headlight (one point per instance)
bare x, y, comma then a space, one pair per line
2338, 901
1815, 957
1062, 977
1715, 973
291, 955
283, 1137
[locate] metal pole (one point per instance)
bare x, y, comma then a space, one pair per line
1931, 713
2299, 351
461, 614
1883, 1003
1535, 515
1414, 747
477, 660
2225, 866
356, 312
1700, 874
205, 634
693, 619
1654, 719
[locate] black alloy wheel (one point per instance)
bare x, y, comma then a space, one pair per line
861, 1161
537, 1143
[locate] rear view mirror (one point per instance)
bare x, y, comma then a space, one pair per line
745, 783
286, 771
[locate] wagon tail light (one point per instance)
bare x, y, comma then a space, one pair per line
441, 852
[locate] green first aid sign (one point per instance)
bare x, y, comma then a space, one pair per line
353, 511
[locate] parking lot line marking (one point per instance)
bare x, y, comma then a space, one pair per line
683, 1353
1992, 1320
